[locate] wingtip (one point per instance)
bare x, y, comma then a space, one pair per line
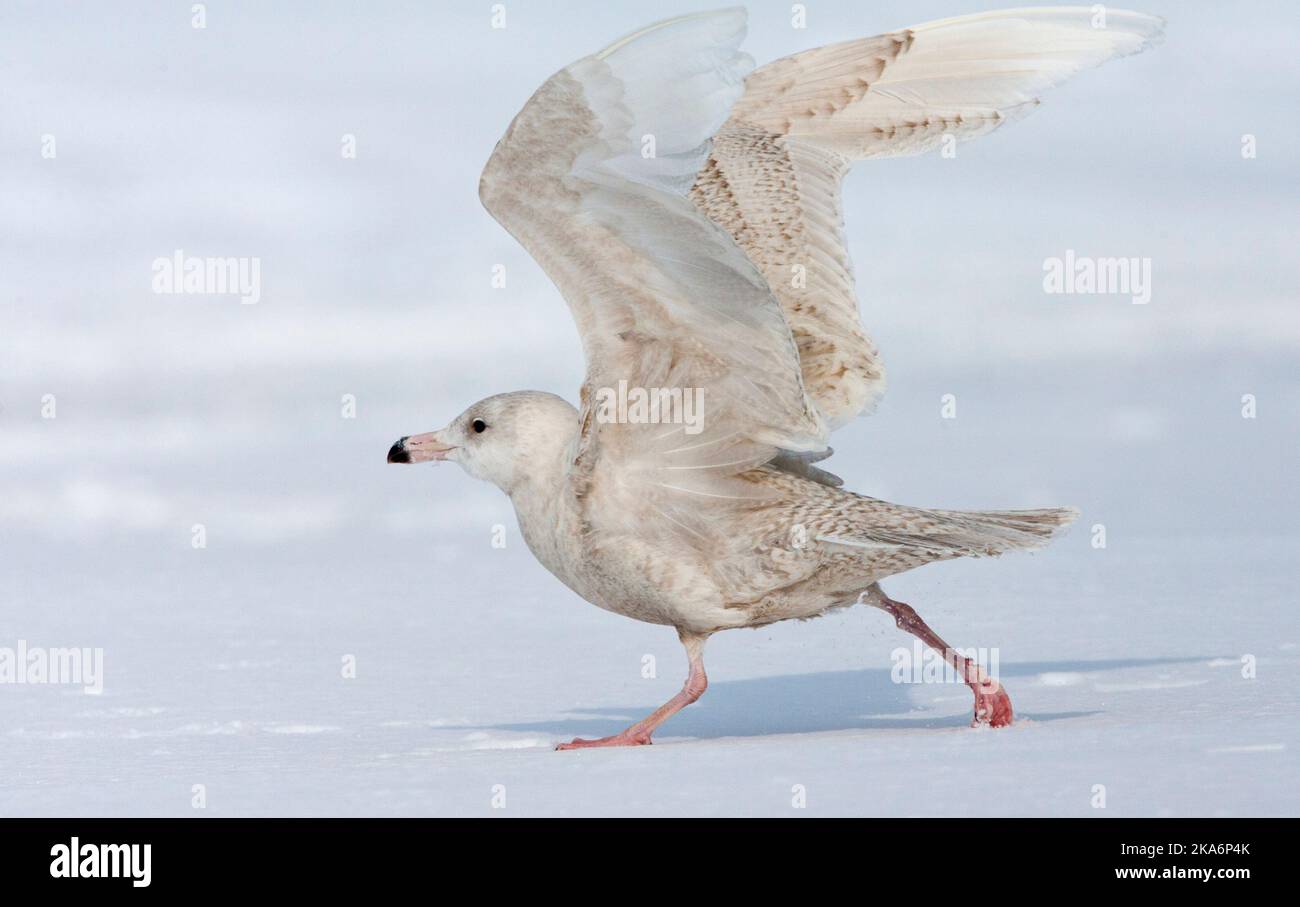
739, 25
1150, 29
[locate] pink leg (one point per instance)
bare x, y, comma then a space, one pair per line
639, 733
992, 704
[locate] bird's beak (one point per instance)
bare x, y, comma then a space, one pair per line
418, 448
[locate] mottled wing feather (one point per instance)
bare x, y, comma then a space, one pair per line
662, 296
773, 176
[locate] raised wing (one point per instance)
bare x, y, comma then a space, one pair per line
773, 176
591, 178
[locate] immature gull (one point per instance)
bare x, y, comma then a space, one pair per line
687, 207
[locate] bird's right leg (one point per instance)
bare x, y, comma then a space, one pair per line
639, 733
992, 704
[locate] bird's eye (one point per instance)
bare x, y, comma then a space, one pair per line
478, 425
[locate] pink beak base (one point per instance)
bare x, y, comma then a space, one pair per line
419, 449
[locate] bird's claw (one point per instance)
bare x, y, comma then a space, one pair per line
617, 740
992, 707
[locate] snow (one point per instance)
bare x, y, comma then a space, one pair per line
467, 677
224, 665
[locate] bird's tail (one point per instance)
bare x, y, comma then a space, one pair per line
987, 533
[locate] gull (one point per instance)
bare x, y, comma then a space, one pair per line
687, 207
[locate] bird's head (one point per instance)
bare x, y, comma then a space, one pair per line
504, 439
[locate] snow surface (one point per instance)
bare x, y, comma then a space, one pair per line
223, 665
1124, 667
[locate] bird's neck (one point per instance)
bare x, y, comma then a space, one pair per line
539, 499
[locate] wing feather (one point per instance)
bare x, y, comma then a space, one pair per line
591, 177
773, 176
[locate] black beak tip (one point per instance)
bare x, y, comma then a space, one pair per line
398, 453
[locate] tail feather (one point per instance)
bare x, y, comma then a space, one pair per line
987, 533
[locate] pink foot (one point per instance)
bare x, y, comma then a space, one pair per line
639, 733
617, 740
992, 706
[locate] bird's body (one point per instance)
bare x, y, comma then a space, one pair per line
795, 548
688, 210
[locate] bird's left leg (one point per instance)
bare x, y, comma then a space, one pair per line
639, 733
992, 704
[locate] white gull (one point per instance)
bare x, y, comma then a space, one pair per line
687, 207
